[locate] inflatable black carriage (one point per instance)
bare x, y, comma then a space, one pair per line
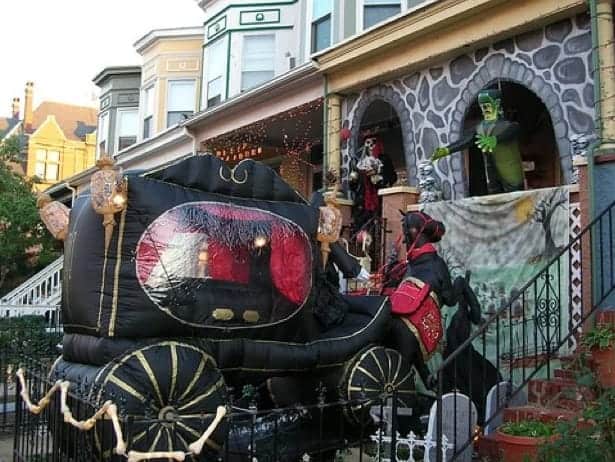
212, 278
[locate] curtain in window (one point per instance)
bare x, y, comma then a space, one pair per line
258, 60
180, 101
215, 65
127, 127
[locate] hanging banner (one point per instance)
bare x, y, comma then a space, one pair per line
505, 240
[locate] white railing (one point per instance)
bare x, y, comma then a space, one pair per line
51, 313
44, 288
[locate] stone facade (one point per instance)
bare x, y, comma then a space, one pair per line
554, 62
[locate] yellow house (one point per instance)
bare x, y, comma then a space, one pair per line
61, 141
170, 78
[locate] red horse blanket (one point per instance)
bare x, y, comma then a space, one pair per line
419, 309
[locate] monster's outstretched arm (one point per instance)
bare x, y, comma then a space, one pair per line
460, 145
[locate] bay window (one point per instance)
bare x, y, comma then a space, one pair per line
375, 11
321, 24
258, 60
127, 127
180, 101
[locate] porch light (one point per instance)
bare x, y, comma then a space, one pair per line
54, 215
109, 194
329, 225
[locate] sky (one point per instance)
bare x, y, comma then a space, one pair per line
62, 44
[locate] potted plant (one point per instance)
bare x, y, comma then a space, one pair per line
601, 342
519, 441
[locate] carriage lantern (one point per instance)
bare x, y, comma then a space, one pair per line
109, 194
54, 215
329, 225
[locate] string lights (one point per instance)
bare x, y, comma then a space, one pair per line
294, 127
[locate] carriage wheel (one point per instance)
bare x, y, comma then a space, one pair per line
168, 381
373, 371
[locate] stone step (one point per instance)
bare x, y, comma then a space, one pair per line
567, 374
546, 392
519, 413
605, 316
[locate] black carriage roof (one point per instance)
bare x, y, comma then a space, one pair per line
207, 173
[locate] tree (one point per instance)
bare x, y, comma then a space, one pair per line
25, 243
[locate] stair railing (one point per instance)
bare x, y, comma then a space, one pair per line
533, 328
44, 288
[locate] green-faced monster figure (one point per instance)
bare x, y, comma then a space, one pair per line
496, 137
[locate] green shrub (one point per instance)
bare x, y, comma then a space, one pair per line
27, 335
601, 336
529, 428
592, 441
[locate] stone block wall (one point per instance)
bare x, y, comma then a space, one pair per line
553, 62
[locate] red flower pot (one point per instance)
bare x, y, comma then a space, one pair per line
604, 364
519, 448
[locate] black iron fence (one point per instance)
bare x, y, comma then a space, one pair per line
523, 338
359, 430
24, 335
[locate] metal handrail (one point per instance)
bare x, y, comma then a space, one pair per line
503, 308
552, 345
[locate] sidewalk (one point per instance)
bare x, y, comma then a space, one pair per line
6, 447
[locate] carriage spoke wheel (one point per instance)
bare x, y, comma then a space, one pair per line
175, 384
372, 372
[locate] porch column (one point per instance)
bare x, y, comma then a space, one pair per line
606, 71
334, 122
603, 175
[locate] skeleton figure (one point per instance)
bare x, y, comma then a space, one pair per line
370, 171
428, 187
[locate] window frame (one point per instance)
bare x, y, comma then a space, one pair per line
118, 117
268, 33
403, 6
47, 162
102, 133
190, 111
223, 71
312, 21
148, 117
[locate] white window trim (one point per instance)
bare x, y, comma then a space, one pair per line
361, 3
308, 27
102, 135
144, 89
116, 141
225, 78
196, 92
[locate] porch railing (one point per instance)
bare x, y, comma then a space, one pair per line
45, 287
537, 326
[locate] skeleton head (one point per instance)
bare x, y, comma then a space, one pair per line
370, 143
425, 169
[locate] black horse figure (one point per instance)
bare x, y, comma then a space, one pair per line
416, 327
471, 373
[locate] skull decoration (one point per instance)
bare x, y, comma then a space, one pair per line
428, 186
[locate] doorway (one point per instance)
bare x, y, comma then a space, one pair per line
537, 142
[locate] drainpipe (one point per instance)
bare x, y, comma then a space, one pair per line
597, 117
325, 140
192, 136
74, 194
